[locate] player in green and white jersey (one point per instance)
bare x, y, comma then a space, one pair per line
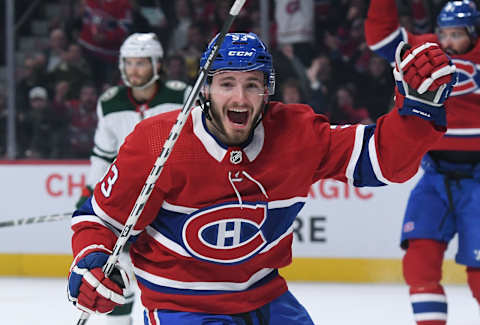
120, 108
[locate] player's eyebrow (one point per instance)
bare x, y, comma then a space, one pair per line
254, 79
230, 78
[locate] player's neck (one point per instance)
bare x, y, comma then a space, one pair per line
143, 95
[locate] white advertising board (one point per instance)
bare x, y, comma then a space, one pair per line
37, 189
338, 221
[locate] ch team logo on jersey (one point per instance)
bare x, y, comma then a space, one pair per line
227, 233
468, 77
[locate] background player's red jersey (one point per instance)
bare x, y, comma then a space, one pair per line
383, 33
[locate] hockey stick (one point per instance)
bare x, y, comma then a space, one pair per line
32, 220
166, 150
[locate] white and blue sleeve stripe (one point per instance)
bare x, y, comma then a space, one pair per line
386, 47
363, 168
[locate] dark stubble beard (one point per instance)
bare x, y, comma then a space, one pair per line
451, 51
144, 80
216, 123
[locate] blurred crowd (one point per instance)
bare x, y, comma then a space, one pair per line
319, 52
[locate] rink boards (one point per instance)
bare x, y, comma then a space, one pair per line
343, 234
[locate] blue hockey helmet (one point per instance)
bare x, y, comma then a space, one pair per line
459, 14
242, 52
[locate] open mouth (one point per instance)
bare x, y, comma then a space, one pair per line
238, 116
450, 51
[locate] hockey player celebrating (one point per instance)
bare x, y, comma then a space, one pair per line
219, 221
120, 108
444, 201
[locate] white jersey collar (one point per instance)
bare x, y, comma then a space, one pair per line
218, 150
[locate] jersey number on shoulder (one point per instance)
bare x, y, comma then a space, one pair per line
109, 180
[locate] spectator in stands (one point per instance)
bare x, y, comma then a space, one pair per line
105, 24
32, 74
183, 19
72, 68
59, 101
289, 66
376, 87
418, 15
47, 129
291, 92
347, 46
56, 49
328, 16
341, 15
196, 43
355, 9
253, 13
40, 63
203, 9
3, 124
217, 17
295, 25
344, 110
175, 68
353, 46
83, 121
73, 22
323, 82
140, 23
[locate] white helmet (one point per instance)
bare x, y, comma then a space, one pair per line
141, 45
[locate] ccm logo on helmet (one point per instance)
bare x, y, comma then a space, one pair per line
226, 233
239, 53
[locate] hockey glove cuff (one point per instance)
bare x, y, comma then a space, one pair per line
425, 76
91, 291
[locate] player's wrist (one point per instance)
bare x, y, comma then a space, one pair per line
87, 190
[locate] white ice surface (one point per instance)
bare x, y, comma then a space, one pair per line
36, 301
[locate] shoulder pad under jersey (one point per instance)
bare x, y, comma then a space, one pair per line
176, 85
116, 99
109, 94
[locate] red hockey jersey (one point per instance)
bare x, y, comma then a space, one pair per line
383, 33
105, 24
218, 224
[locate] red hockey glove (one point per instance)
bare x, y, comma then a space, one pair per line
425, 76
91, 291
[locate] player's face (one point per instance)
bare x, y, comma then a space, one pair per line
237, 100
138, 70
454, 40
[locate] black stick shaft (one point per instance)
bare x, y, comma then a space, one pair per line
35, 220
